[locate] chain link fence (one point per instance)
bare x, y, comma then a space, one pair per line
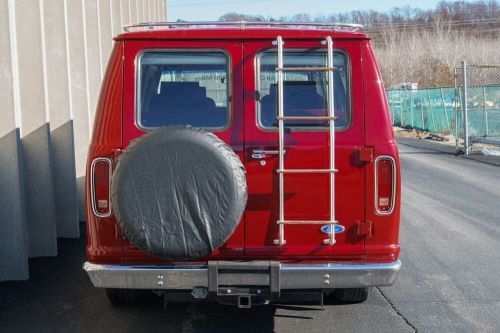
477, 88
473, 101
430, 110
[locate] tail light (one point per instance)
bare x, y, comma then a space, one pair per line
100, 181
385, 184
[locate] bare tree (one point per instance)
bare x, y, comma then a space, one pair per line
421, 46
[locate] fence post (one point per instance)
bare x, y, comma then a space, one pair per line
421, 109
431, 110
445, 111
485, 112
455, 107
411, 108
400, 110
465, 109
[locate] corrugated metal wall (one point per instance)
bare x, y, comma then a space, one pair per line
53, 55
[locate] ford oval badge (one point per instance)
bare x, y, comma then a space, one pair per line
338, 229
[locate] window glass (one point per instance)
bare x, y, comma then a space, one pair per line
305, 93
183, 88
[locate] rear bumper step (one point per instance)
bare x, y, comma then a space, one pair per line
287, 276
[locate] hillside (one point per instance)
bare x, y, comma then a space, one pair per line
421, 46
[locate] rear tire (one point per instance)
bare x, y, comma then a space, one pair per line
127, 296
350, 295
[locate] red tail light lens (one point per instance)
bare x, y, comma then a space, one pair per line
100, 186
385, 184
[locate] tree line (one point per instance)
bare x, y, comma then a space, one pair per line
417, 45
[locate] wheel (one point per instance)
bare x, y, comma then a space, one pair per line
127, 296
350, 295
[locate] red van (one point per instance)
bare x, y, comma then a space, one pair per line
242, 162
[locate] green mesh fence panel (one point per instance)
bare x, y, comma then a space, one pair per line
484, 112
438, 109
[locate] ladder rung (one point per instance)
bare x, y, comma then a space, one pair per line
307, 222
306, 118
305, 69
307, 171
330, 97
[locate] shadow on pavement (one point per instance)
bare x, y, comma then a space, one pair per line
59, 297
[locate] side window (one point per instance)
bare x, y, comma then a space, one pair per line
182, 88
305, 93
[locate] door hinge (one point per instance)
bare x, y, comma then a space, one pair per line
364, 228
365, 154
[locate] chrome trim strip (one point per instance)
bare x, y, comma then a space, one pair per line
261, 153
293, 276
394, 178
92, 194
338, 275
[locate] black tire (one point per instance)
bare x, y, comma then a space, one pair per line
178, 193
350, 295
128, 296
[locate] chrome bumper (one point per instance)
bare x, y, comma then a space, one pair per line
291, 276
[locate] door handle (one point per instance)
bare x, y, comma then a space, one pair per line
260, 153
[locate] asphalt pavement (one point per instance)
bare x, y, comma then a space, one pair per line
449, 282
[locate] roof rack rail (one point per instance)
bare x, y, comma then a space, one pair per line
242, 25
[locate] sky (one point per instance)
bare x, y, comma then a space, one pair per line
211, 10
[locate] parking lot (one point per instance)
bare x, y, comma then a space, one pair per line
450, 238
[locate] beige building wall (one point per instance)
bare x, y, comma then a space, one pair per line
13, 233
53, 56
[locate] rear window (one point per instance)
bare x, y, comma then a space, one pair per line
305, 93
183, 88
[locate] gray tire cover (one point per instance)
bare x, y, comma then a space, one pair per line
178, 193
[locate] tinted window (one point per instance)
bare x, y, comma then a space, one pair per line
305, 93
183, 88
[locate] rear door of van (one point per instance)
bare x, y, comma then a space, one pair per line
196, 82
306, 196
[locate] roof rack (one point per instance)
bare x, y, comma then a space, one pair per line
242, 25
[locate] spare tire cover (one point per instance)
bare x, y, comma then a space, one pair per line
178, 192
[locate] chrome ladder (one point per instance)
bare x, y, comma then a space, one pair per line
331, 122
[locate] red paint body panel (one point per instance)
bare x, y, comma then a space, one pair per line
102, 243
306, 195
383, 244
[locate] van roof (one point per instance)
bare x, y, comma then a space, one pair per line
240, 30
